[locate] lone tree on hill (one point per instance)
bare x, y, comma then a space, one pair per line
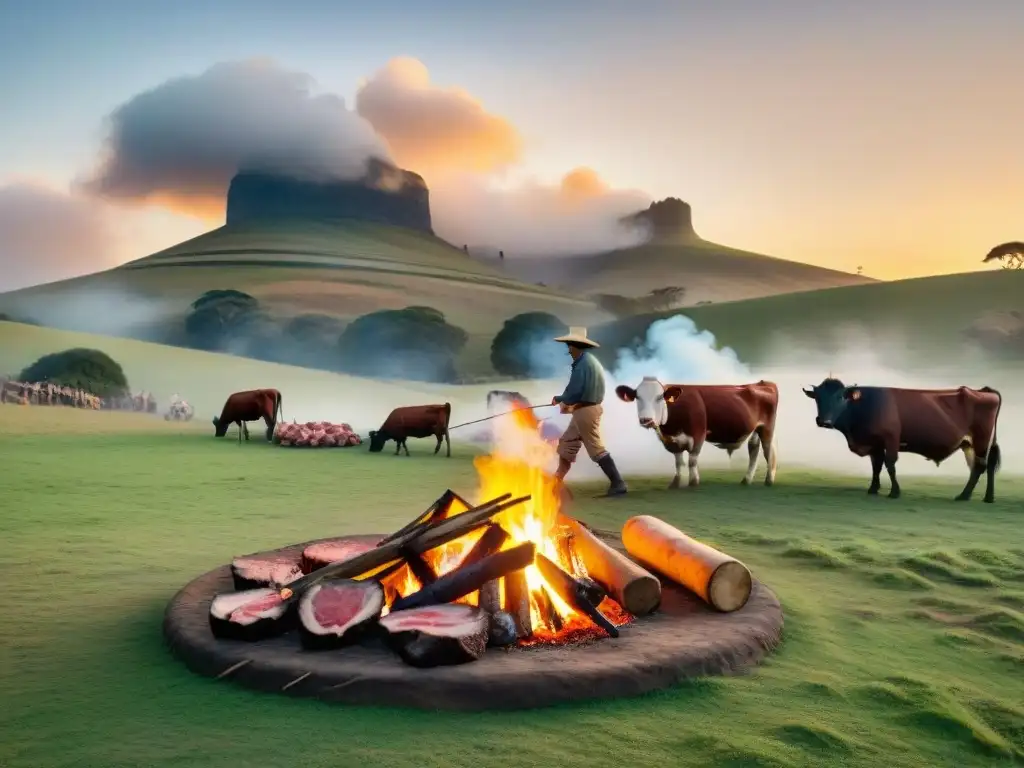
221, 317
88, 369
525, 346
1010, 255
415, 343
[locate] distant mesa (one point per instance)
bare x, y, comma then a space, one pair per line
668, 219
384, 195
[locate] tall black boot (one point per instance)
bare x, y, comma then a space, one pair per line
618, 485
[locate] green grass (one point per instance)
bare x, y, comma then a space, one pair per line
923, 317
902, 646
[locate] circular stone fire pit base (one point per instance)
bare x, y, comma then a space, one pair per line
684, 638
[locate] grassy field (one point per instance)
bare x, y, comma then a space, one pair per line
708, 271
205, 379
903, 644
924, 316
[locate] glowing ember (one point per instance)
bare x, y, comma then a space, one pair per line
519, 464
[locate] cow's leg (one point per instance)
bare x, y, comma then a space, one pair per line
753, 446
771, 455
972, 480
677, 481
691, 465
440, 439
992, 461
892, 453
405, 445
398, 446
877, 460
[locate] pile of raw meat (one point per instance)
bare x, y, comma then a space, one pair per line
316, 434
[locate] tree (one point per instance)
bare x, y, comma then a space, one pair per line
222, 318
415, 343
525, 346
665, 298
311, 340
1010, 255
88, 369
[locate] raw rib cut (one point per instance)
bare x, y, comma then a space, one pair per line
438, 634
252, 614
326, 552
264, 571
336, 612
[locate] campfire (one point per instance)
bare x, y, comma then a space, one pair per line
511, 570
514, 554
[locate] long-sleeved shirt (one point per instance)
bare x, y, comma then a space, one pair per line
586, 382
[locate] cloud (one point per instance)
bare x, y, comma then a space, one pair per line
179, 144
578, 215
431, 129
47, 235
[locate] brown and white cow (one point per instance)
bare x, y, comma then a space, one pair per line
251, 405
686, 416
413, 421
935, 423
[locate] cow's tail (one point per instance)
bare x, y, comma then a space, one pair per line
279, 408
995, 453
447, 421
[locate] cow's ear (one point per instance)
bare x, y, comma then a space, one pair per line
672, 394
853, 394
626, 394
809, 392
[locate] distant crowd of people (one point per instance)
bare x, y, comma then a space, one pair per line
49, 393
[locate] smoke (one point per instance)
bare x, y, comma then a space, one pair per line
579, 215
180, 143
48, 235
676, 351
431, 129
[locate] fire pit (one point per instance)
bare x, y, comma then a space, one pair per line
509, 603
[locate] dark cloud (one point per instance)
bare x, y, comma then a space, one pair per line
48, 235
180, 143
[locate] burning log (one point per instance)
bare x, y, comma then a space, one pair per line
436, 511
470, 578
635, 589
517, 603
492, 541
417, 542
547, 609
593, 591
420, 569
573, 593
721, 581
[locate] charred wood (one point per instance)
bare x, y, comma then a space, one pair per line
573, 593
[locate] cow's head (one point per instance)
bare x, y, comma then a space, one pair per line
377, 440
219, 429
831, 397
652, 400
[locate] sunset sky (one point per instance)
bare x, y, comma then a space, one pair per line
885, 134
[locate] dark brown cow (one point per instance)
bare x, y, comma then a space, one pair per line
413, 421
935, 423
686, 416
252, 405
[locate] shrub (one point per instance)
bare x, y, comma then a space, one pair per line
222, 319
525, 346
414, 343
87, 369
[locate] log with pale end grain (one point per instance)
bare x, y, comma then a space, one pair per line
467, 579
723, 582
632, 587
573, 593
517, 603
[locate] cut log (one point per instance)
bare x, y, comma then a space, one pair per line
492, 541
593, 591
490, 596
573, 593
420, 569
437, 510
462, 581
547, 610
517, 603
723, 582
416, 541
632, 587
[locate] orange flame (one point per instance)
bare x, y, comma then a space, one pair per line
519, 464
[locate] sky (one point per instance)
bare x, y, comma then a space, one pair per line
881, 135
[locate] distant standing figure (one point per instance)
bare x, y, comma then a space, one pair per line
501, 255
582, 398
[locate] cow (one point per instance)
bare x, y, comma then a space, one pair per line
686, 416
252, 405
413, 421
935, 423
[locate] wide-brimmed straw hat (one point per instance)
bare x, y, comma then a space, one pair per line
577, 335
